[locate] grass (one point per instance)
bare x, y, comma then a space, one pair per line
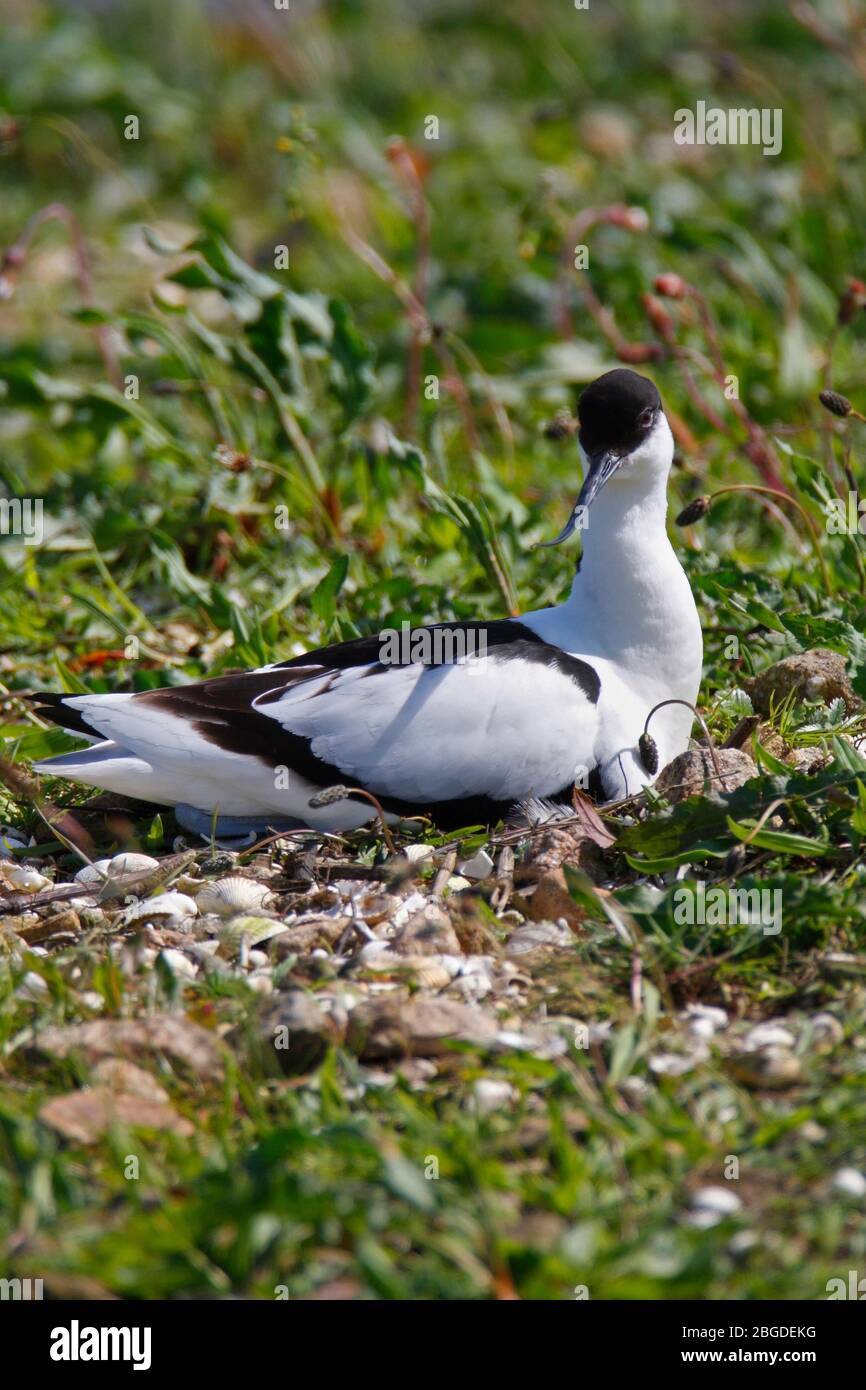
239, 459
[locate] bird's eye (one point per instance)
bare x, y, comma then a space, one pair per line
646, 417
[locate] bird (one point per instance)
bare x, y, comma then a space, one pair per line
462, 721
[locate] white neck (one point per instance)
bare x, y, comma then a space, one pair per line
631, 602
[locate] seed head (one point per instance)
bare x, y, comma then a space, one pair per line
836, 404
649, 753
694, 511
327, 796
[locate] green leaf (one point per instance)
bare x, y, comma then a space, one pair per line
779, 841
324, 596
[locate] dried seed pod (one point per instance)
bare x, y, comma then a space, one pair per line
328, 796
562, 426
649, 753
836, 403
694, 511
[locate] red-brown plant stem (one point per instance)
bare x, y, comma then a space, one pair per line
616, 215
418, 320
15, 258
757, 447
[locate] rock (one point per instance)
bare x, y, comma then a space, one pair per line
814, 675
62, 923
85, 1116
478, 867
552, 902
429, 972
117, 1075
305, 937
427, 933
389, 1027
538, 939
490, 1095
177, 1038
296, 1032
806, 760
475, 934
827, 1031
693, 773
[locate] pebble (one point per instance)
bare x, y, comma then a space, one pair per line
850, 1181
710, 1205
478, 867
32, 986
489, 1095
768, 1035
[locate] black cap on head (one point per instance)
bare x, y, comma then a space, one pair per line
617, 411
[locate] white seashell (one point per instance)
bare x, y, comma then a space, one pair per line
178, 963
250, 931
768, 1035
457, 883
226, 897
22, 878
171, 906
373, 952
416, 854
126, 862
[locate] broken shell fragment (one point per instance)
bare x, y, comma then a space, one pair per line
21, 877
168, 907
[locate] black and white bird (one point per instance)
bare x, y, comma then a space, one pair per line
474, 716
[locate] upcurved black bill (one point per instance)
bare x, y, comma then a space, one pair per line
601, 466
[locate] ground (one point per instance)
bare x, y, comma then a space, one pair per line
295, 308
